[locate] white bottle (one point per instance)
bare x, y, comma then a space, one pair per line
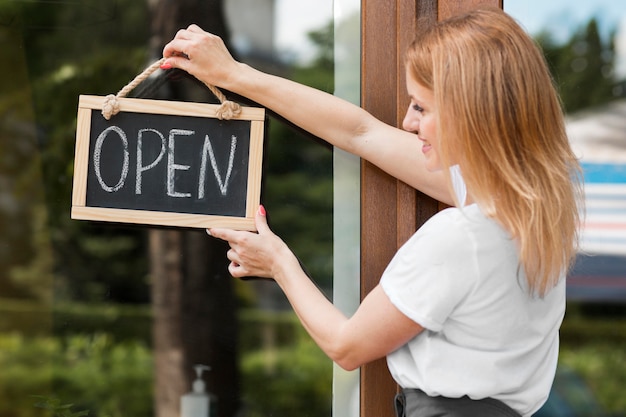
197, 402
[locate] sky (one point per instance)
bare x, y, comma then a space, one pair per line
564, 16
295, 19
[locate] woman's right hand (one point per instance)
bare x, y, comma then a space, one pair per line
201, 54
261, 254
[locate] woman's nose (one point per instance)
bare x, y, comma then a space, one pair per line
411, 122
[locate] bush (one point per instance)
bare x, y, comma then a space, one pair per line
288, 382
32, 319
603, 367
99, 359
593, 346
90, 372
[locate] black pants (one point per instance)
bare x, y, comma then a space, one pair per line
415, 403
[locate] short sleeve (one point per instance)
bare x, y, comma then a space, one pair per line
433, 271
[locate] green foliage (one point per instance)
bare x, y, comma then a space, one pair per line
257, 328
578, 331
324, 39
57, 409
593, 348
582, 67
123, 322
28, 318
603, 367
288, 382
33, 277
90, 372
306, 223
283, 372
110, 374
22, 213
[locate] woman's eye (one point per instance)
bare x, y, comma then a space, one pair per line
418, 108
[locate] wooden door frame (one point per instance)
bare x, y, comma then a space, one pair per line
391, 211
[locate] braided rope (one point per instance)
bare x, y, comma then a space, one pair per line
227, 110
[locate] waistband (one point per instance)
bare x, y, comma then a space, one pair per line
416, 403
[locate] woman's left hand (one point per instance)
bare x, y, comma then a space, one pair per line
261, 254
201, 54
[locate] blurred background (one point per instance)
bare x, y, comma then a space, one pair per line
585, 46
110, 319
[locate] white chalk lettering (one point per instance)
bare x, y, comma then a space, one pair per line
172, 167
98, 152
208, 149
142, 168
152, 146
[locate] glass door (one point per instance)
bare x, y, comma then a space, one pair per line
110, 319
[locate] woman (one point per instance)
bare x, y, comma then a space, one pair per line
468, 311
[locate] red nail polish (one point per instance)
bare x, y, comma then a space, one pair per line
166, 66
262, 210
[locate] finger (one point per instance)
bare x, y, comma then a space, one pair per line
238, 271
185, 33
195, 28
228, 235
260, 221
232, 256
174, 48
234, 270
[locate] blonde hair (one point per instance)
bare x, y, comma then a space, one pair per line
501, 120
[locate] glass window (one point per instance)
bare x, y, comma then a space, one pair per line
112, 319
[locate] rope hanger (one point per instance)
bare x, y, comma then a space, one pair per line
227, 110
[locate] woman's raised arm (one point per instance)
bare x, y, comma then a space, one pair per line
337, 121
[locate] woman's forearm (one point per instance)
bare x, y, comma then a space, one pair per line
373, 331
333, 119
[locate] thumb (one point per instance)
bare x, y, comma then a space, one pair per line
260, 221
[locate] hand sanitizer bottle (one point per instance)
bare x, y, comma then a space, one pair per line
197, 402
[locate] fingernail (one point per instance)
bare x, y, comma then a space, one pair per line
208, 232
262, 210
166, 66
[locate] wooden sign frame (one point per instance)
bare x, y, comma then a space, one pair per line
81, 211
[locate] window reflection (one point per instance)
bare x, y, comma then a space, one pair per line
111, 318
584, 43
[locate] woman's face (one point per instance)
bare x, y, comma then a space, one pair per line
421, 119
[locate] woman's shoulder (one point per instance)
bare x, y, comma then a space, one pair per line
465, 229
468, 219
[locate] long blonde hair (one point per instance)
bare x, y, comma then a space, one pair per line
501, 121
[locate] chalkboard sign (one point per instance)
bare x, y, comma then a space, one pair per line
167, 163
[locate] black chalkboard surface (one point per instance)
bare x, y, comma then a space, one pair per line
167, 163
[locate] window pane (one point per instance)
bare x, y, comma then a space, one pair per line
111, 318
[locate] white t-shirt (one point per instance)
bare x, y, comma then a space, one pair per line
484, 335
